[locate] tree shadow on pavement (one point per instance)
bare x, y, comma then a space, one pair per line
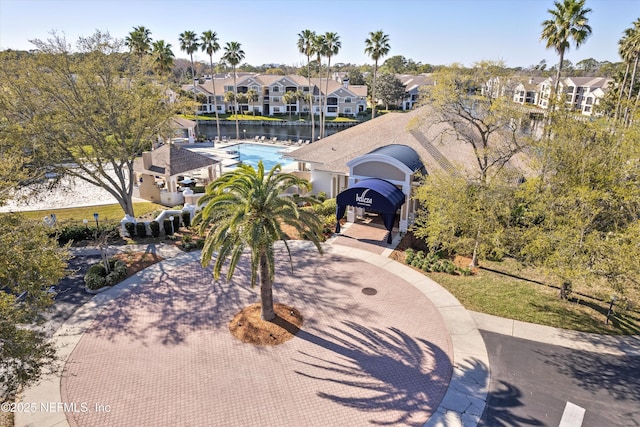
500, 405
399, 380
172, 300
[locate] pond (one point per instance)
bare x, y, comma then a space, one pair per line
250, 131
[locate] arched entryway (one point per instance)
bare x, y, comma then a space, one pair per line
374, 194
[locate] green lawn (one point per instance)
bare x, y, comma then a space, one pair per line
501, 294
107, 213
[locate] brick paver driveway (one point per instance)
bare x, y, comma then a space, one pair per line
161, 354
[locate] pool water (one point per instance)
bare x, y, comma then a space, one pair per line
251, 154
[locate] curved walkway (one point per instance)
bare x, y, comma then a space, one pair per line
155, 349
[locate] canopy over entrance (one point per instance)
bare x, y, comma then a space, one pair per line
373, 194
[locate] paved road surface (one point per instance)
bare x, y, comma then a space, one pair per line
531, 383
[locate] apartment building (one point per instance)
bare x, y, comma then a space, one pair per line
266, 94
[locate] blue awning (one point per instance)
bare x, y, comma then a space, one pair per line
373, 194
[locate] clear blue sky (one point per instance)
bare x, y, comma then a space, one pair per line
427, 31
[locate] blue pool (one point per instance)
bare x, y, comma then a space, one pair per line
251, 154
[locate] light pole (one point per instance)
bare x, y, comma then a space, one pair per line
244, 134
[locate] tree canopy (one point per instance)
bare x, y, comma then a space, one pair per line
86, 113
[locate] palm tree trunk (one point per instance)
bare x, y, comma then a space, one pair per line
632, 83
373, 91
266, 290
621, 92
557, 85
235, 93
215, 100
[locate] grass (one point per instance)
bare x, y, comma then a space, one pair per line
107, 213
507, 290
512, 290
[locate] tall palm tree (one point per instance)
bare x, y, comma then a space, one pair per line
189, 43
289, 98
209, 43
568, 22
244, 208
139, 41
162, 56
318, 49
305, 46
332, 45
233, 55
376, 46
629, 49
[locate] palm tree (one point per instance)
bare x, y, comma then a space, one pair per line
376, 46
244, 208
162, 56
289, 98
209, 43
305, 46
233, 55
139, 41
189, 43
629, 49
252, 96
318, 49
332, 45
568, 21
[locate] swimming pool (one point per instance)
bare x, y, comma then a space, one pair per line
251, 154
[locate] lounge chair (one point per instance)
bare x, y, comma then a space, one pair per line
257, 138
274, 139
307, 141
262, 138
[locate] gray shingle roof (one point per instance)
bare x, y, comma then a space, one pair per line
172, 160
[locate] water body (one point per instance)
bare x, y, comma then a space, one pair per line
250, 131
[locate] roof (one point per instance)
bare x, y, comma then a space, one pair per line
402, 153
178, 122
171, 160
433, 140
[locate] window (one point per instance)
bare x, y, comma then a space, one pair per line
276, 89
228, 88
305, 88
276, 109
332, 109
347, 110
589, 101
276, 99
348, 100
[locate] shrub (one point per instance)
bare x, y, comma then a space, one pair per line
198, 189
322, 196
97, 277
186, 218
409, 254
155, 228
176, 223
131, 228
141, 230
167, 226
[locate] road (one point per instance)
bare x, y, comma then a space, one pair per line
532, 382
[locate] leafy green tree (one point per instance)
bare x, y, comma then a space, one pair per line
233, 55
30, 263
93, 113
245, 209
396, 64
355, 77
390, 89
461, 216
306, 47
162, 57
483, 117
376, 46
580, 218
568, 22
209, 43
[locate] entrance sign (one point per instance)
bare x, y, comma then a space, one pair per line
374, 194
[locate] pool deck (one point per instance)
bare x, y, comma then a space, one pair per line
219, 149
